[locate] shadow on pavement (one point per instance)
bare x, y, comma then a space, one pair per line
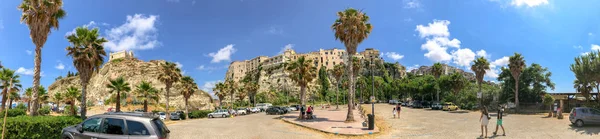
588, 130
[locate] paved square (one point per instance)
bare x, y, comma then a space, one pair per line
332, 121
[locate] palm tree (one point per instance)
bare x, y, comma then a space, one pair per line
188, 89
88, 54
337, 72
351, 28
479, 67
595, 68
29, 93
302, 71
40, 16
582, 68
70, 96
14, 96
58, 97
144, 92
516, 65
169, 74
118, 85
9, 81
437, 70
231, 87
220, 92
43, 96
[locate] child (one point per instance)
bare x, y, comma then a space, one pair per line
394, 112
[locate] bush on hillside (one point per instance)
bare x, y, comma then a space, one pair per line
199, 114
14, 112
38, 127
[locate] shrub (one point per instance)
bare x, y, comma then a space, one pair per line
21, 106
38, 127
44, 110
199, 114
14, 112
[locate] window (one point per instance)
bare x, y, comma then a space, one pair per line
326, 53
91, 125
160, 126
327, 63
113, 126
333, 63
136, 128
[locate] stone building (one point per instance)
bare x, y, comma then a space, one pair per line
446, 70
121, 54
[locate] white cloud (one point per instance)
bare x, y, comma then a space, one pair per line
410, 4
409, 68
437, 49
595, 47
393, 55
578, 47
463, 57
528, 3
29, 52
138, 33
492, 73
288, 46
590, 34
224, 54
59, 66
585, 53
91, 24
482, 53
438, 28
499, 62
178, 65
29, 72
208, 87
209, 68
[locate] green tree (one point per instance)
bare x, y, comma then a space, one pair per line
479, 67
437, 71
29, 93
533, 83
144, 92
9, 82
516, 65
323, 81
40, 16
582, 68
14, 96
302, 72
118, 85
168, 74
231, 87
337, 72
548, 101
87, 52
71, 96
57, 98
188, 89
43, 96
351, 28
220, 92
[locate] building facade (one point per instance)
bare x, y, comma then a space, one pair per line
120, 54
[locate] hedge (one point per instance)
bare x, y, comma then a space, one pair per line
199, 114
38, 127
14, 112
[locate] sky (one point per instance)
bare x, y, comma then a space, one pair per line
204, 36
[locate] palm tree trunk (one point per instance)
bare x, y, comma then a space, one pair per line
186, 109
337, 93
517, 94
4, 92
302, 92
28, 104
36, 78
145, 105
168, 87
118, 101
73, 108
83, 99
350, 115
57, 106
481, 99
10, 103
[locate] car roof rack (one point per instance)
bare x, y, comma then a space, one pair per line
137, 114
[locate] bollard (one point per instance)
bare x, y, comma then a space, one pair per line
371, 121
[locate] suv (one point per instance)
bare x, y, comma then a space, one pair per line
583, 115
274, 110
219, 113
118, 125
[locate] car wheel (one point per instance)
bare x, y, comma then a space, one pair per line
579, 123
210, 116
223, 116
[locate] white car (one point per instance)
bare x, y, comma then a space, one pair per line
241, 111
254, 110
162, 115
292, 108
263, 106
219, 113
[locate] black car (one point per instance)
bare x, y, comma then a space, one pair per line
274, 111
425, 104
417, 104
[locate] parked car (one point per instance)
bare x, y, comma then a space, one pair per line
436, 106
294, 107
241, 111
417, 104
254, 110
138, 110
175, 116
128, 125
580, 116
219, 113
449, 106
404, 103
426, 104
392, 101
274, 110
263, 106
162, 115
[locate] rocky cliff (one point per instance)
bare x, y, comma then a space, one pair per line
134, 71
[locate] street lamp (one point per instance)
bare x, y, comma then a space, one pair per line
373, 88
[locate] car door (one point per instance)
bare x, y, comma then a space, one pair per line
595, 116
113, 128
90, 127
137, 130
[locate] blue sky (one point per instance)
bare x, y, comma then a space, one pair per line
204, 36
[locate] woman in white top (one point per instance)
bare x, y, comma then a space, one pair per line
484, 119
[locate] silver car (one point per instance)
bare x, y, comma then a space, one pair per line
219, 113
175, 116
118, 125
583, 115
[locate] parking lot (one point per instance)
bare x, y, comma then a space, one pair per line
426, 123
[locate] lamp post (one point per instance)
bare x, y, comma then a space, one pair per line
373, 88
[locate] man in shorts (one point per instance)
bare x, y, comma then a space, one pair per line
499, 121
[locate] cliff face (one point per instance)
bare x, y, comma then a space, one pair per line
134, 71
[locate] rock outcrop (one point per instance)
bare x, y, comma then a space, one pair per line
134, 71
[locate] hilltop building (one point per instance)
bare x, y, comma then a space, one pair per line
120, 54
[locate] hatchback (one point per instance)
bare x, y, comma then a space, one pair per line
583, 115
118, 125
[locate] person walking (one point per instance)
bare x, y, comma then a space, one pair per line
499, 121
398, 109
394, 113
302, 112
308, 112
484, 119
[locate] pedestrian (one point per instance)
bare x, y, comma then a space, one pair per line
484, 119
398, 109
308, 112
499, 121
394, 113
302, 112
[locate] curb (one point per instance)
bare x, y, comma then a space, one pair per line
327, 132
